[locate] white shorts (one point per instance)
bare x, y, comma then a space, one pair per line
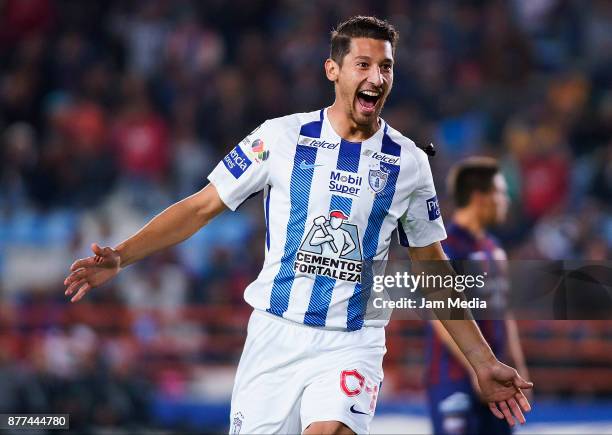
292, 375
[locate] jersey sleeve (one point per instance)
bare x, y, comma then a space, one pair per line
421, 224
244, 171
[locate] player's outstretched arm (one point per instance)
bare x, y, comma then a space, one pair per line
500, 384
175, 224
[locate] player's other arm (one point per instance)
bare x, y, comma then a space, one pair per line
500, 385
175, 224
514, 346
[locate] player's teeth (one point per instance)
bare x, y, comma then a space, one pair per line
370, 93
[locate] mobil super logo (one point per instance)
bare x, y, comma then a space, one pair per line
345, 183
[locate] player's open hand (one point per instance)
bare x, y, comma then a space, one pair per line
501, 387
91, 272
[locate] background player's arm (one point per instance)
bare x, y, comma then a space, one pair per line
175, 224
450, 344
500, 385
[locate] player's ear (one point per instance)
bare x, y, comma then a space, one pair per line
478, 198
332, 69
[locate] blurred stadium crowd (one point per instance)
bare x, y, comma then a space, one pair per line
111, 110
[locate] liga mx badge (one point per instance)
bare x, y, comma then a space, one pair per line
237, 423
377, 179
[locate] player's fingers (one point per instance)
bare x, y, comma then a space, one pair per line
75, 285
75, 276
522, 383
82, 291
522, 400
496, 412
96, 249
83, 262
503, 406
516, 410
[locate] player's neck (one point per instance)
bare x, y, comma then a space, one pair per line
346, 128
467, 219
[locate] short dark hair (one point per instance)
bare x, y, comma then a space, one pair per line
359, 27
474, 174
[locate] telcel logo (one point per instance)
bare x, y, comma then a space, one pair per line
386, 158
382, 157
317, 143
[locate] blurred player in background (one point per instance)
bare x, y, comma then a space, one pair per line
312, 362
457, 405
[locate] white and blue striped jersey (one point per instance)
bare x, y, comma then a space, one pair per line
330, 205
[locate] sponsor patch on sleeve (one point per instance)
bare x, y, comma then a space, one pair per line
257, 150
433, 208
236, 162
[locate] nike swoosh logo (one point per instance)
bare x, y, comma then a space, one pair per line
354, 411
305, 165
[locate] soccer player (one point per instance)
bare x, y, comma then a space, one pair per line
312, 362
456, 402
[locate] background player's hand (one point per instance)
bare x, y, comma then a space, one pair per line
329, 238
91, 272
501, 387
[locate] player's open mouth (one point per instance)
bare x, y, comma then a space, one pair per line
368, 99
